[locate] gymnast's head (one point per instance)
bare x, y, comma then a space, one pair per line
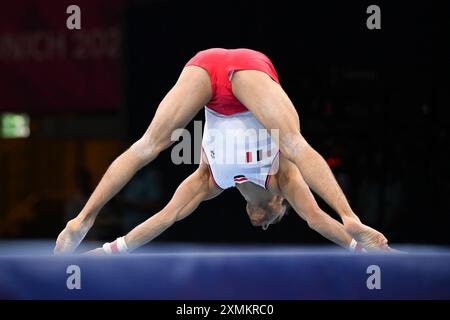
263, 207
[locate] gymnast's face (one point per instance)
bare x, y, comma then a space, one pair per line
268, 212
263, 207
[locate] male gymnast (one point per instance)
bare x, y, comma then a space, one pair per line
241, 91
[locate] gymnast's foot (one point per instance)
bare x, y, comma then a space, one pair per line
72, 235
369, 238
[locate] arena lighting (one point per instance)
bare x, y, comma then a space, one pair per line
14, 125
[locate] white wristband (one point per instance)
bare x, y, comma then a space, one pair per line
107, 248
356, 247
352, 245
117, 246
122, 245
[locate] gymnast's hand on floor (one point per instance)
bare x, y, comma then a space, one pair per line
369, 238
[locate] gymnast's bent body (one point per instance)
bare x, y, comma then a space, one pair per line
239, 87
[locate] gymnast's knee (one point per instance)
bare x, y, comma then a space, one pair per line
148, 148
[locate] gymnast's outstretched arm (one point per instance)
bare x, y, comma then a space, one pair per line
192, 191
269, 103
295, 190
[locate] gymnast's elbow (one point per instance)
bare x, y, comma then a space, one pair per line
315, 218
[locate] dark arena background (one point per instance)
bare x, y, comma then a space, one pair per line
373, 103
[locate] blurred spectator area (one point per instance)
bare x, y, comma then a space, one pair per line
373, 103
40, 174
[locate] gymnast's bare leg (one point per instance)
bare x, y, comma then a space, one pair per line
190, 94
